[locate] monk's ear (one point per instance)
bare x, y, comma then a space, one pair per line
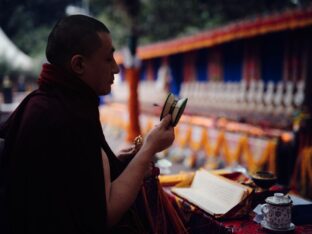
77, 64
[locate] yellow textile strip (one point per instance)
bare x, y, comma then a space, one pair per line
197, 145
183, 140
181, 180
242, 152
207, 146
219, 143
272, 155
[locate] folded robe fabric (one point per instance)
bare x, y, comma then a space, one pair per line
51, 173
51, 168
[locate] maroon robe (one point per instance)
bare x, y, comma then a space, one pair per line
51, 171
51, 166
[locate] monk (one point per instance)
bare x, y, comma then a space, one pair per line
58, 174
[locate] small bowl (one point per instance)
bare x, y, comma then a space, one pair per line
264, 179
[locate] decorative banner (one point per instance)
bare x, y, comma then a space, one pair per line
295, 57
302, 177
257, 146
183, 136
253, 152
291, 60
189, 69
261, 151
150, 70
215, 67
232, 141
211, 141
251, 61
242, 152
198, 138
288, 20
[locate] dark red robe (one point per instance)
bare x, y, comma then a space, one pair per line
51, 168
51, 171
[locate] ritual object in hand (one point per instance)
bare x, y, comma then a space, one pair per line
138, 141
175, 107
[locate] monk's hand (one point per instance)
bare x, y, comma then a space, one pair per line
161, 136
125, 155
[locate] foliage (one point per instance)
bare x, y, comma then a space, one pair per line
165, 19
28, 23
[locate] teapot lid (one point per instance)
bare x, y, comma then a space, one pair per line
279, 199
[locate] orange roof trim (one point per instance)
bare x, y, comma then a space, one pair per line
288, 20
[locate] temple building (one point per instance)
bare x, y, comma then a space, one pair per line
247, 85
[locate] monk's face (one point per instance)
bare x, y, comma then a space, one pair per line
101, 66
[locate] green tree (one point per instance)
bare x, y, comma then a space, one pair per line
27, 23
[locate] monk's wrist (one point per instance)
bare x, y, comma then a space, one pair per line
147, 153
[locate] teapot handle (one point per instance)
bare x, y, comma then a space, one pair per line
264, 209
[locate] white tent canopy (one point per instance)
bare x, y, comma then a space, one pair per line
10, 54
